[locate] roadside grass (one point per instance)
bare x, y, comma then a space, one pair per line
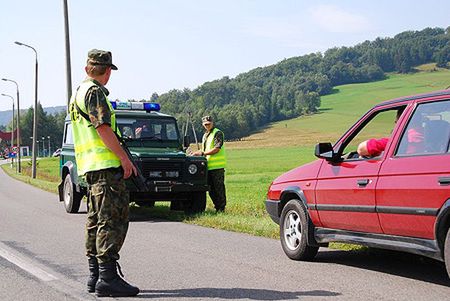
257, 160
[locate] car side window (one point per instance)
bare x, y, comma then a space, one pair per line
428, 130
377, 130
68, 137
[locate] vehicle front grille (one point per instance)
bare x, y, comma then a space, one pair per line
166, 170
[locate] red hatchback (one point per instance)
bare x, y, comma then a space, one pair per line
398, 197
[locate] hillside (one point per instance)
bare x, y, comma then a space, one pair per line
5, 116
338, 111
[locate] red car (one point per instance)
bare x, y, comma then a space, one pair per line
398, 199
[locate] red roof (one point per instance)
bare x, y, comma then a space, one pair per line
7, 135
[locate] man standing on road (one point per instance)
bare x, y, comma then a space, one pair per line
214, 149
104, 164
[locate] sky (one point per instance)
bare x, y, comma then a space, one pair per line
159, 45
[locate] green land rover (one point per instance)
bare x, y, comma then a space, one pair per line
157, 148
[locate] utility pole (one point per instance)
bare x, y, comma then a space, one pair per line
68, 67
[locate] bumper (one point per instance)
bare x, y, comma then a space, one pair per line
168, 191
272, 208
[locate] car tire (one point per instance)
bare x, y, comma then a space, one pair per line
294, 227
447, 252
197, 203
71, 197
148, 204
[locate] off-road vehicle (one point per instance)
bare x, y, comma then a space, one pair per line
158, 150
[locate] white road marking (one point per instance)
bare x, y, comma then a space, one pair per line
25, 264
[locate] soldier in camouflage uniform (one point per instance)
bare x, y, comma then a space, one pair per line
105, 165
214, 149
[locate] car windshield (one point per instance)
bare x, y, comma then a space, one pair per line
160, 129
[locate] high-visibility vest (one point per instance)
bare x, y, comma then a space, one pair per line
91, 153
218, 160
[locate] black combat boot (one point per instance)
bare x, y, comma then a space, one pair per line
93, 273
111, 284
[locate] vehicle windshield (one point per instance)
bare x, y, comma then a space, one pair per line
158, 129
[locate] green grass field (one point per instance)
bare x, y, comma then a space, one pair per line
254, 162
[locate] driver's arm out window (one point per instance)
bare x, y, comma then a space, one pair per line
379, 127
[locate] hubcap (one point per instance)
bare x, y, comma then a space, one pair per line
67, 193
292, 230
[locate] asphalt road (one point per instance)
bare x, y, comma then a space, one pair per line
42, 258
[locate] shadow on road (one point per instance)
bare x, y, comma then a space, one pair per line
390, 262
232, 294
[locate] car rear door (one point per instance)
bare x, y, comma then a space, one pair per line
414, 182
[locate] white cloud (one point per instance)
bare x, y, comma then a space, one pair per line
337, 20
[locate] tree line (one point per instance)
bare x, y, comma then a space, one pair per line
288, 89
293, 87
49, 125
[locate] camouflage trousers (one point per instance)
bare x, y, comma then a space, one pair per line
216, 182
107, 218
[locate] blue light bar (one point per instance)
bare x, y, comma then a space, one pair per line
138, 106
152, 106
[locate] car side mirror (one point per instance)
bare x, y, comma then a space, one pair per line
186, 141
325, 151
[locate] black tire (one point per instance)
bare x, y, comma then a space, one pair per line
294, 227
176, 206
147, 204
71, 197
197, 203
447, 252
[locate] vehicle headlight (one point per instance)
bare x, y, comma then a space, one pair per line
192, 169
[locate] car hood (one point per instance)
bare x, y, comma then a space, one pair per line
307, 171
150, 152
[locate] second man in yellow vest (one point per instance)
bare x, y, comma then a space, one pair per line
213, 148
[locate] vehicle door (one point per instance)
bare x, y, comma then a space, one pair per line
414, 182
345, 191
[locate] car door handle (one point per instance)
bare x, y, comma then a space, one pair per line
444, 180
362, 182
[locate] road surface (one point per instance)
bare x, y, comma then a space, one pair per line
42, 258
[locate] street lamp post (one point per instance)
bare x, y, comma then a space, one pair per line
33, 158
18, 123
12, 127
49, 151
43, 147
37, 142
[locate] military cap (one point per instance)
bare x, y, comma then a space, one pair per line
100, 57
207, 119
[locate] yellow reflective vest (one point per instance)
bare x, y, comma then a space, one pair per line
218, 160
90, 152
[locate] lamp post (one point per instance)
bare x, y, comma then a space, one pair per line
18, 123
33, 158
43, 147
49, 151
12, 127
37, 142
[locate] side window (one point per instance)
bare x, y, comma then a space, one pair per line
427, 131
375, 134
68, 137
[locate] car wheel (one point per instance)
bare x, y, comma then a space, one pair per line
147, 204
294, 225
447, 252
197, 203
72, 198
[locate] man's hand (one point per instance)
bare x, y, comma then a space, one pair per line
128, 168
197, 153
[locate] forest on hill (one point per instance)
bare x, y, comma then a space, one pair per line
293, 87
